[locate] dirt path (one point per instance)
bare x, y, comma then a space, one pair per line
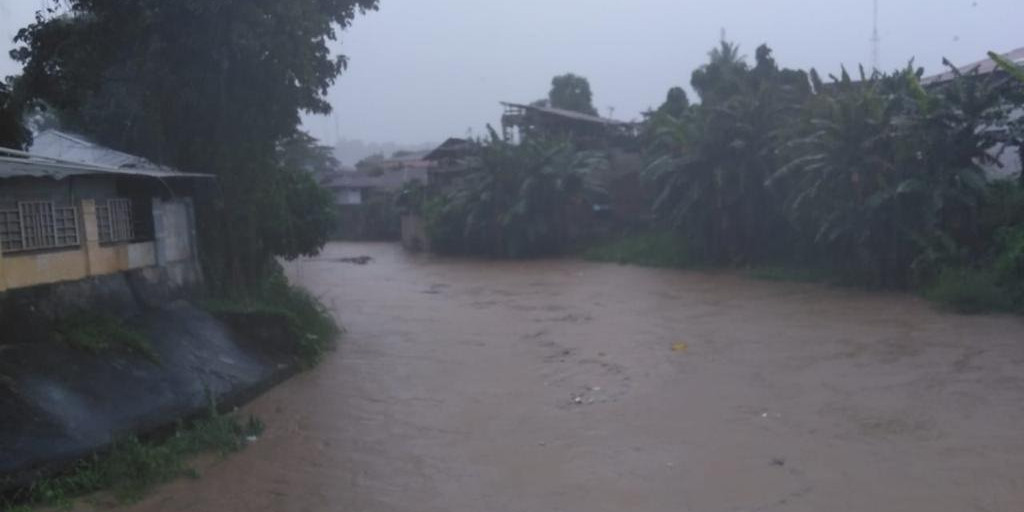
568, 386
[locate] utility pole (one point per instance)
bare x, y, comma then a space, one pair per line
876, 40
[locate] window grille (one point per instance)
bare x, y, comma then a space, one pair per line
38, 225
114, 220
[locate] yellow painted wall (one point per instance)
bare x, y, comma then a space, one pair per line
110, 259
25, 270
91, 259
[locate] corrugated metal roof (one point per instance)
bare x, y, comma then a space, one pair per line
17, 167
58, 155
569, 114
73, 148
983, 67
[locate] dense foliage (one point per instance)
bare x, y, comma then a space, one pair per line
880, 179
214, 86
710, 162
572, 92
13, 133
515, 200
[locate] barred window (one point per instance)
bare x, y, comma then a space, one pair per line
38, 229
114, 220
10, 230
37, 225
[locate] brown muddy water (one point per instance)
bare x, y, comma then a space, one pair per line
570, 386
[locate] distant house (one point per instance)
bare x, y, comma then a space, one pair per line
366, 195
70, 209
353, 188
1008, 154
588, 131
451, 159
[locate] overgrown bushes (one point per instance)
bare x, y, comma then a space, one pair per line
653, 249
877, 180
133, 466
312, 330
515, 201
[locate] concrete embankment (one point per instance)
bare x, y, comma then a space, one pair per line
59, 403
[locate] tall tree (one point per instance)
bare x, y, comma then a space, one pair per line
213, 86
676, 103
711, 163
13, 133
572, 92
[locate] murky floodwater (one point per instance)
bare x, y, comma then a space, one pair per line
568, 386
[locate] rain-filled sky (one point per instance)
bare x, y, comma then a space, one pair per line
422, 70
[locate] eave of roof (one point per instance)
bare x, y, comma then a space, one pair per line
19, 164
14, 167
569, 114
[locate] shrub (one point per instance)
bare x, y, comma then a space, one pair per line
311, 325
969, 291
133, 466
655, 249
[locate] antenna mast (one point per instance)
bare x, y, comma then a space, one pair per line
876, 40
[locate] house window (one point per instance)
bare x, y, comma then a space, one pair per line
10, 230
114, 220
38, 225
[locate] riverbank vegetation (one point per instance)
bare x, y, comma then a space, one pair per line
515, 200
132, 466
309, 329
881, 180
101, 333
877, 180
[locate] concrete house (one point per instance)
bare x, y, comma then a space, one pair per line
71, 210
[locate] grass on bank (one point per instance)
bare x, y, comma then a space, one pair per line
969, 291
310, 323
131, 467
965, 291
100, 333
654, 249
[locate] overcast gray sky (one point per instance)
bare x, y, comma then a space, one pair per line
424, 70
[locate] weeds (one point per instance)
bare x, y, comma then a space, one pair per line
311, 325
99, 333
654, 249
131, 467
969, 291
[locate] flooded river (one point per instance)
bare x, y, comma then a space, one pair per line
568, 386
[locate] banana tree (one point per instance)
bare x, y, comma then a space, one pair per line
886, 171
517, 201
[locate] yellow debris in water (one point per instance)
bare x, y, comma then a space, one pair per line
680, 347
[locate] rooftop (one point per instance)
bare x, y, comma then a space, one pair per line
58, 155
566, 114
983, 67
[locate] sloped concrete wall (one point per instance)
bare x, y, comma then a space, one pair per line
58, 404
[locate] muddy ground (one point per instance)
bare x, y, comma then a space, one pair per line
569, 386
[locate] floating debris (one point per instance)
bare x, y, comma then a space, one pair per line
358, 260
